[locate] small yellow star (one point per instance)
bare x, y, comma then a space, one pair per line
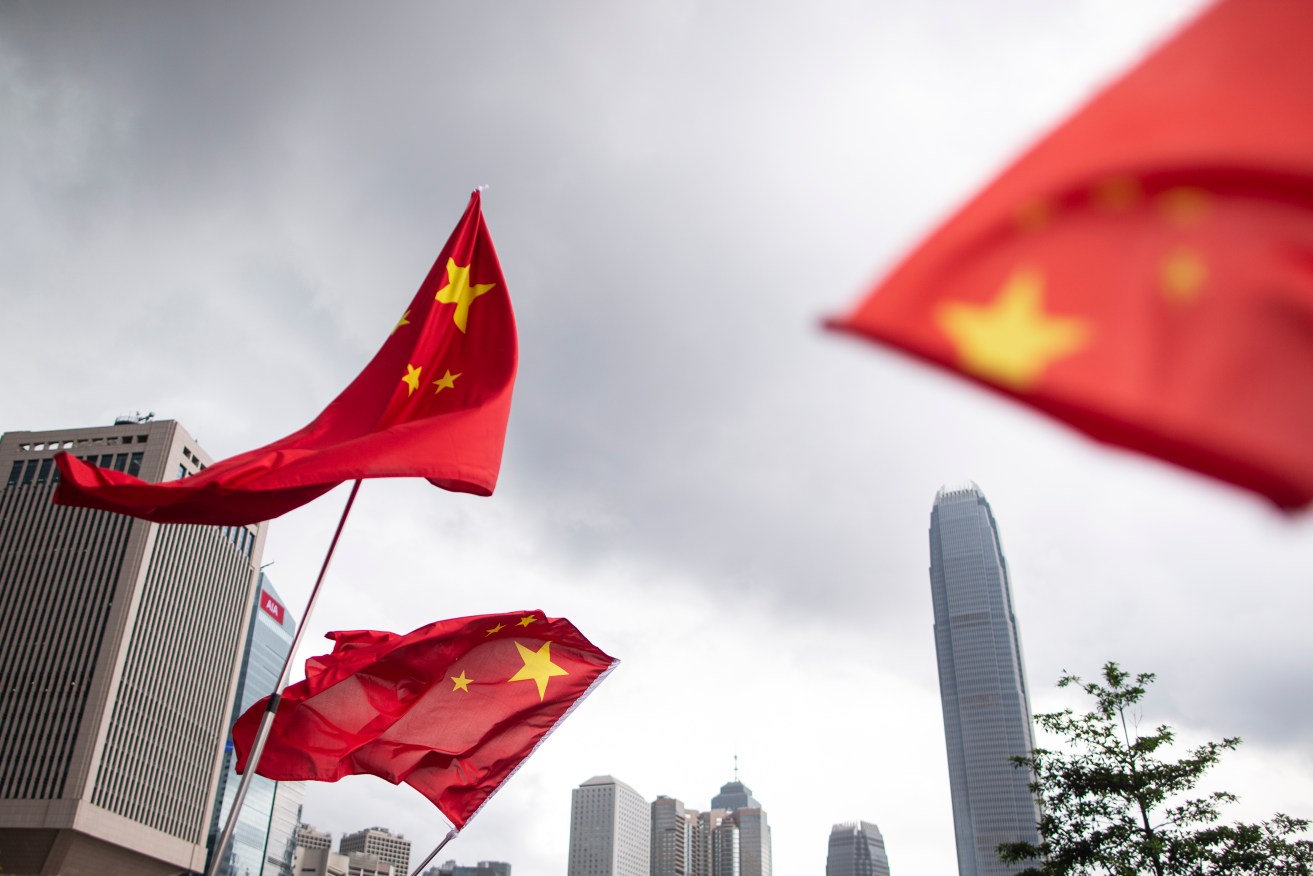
495, 630
1182, 272
525, 621
1117, 193
446, 381
538, 666
1011, 340
462, 683
458, 291
1184, 205
1034, 215
403, 321
412, 378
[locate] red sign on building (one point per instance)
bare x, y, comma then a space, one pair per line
272, 606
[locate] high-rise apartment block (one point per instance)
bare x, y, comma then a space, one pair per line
856, 849
981, 681
388, 847
263, 840
120, 642
610, 830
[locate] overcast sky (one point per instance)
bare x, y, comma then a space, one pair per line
215, 212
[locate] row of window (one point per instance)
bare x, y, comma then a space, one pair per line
69, 445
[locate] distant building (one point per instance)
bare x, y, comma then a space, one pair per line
671, 838
388, 847
262, 844
701, 849
856, 849
120, 644
982, 682
483, 868
610, 830
751, 844
308, 837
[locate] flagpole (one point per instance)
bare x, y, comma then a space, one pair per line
267, 721
451, 835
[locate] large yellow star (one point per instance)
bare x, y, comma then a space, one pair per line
1011, 340
538, 666
458, 291
462, 683
446, 381
412, 378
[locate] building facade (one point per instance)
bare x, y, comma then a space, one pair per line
388, 847
610, 830
856, 849
671, 838
483, 868
120, 643
982, 682
746, 818
262, 844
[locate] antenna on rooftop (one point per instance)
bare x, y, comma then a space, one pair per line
736, 767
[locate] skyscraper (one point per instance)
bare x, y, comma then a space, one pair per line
981, 682
753, 845
610, 830
856, 849
119, 649
263, 840
671, 838
388, 847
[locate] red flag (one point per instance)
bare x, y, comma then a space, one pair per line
451, 709
1145, 272
432, 403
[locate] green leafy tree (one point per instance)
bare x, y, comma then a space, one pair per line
1114, 806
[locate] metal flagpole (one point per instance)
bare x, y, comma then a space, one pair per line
266, 722
451, 835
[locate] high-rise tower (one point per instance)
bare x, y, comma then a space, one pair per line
672, 836
610, 830
856, 849
119, 649
753, 846
263, 840
981, 682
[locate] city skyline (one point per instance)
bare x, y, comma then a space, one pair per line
215, 213
982, 682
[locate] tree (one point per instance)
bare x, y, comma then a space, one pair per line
1114, 806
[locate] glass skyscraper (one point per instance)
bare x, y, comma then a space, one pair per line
264, 837
856, 849
981, 682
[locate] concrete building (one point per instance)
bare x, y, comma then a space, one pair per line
388, 847
483, 868
982, 682
262, 844
752, 843
671, 838
120, 643
856, 849
610, 830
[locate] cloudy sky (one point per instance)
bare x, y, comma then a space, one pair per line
215, 212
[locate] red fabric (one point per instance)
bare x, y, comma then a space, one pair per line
377, 427
1167, 228
392, 706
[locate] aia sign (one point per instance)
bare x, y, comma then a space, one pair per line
272, 607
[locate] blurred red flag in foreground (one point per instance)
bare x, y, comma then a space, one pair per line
1145, 272
451, 709
432, 403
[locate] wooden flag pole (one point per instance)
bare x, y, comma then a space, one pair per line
267, 721
451, 835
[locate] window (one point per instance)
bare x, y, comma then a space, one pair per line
182, 471
15, 472
134, 464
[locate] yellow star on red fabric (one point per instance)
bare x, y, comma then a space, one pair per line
446, 381
495, 630
1011, 340
412, 378
462, 683
529, 619
458, 291
538, 667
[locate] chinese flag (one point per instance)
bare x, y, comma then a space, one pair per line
432, 403
451, 709
1145, 273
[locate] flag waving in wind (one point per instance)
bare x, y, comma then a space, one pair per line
433, 403
1145, 273
451, 709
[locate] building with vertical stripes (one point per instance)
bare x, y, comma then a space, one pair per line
982, 683
856, 849
120, 642
610, 830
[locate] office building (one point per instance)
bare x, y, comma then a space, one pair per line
856, 849
701, 848
388, 847
484, 868
262, 843
309, 837
120, 643
751, 844
610, 830
671, 835
981, 681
